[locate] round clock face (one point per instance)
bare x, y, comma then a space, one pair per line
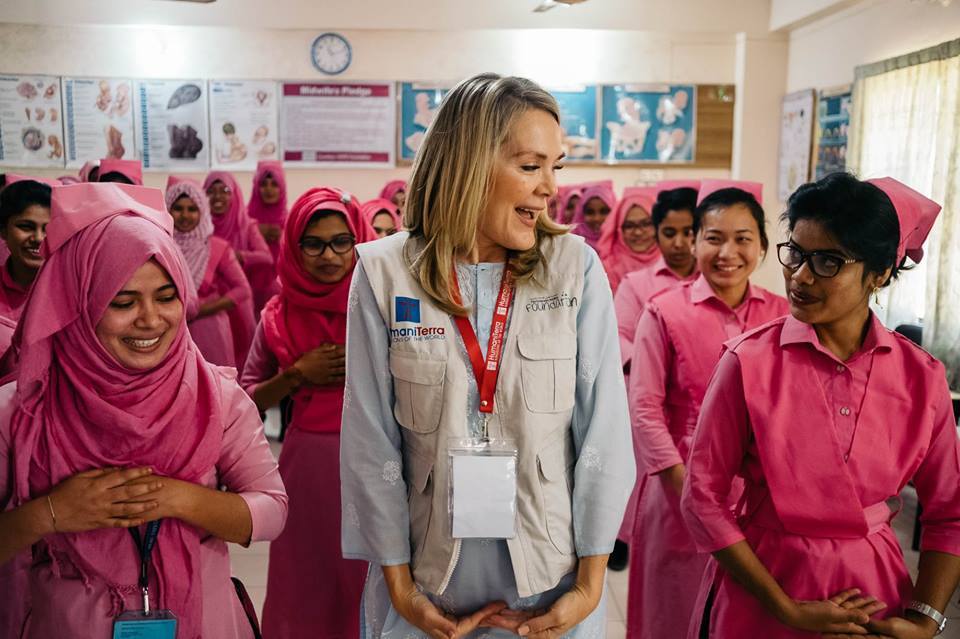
331, 53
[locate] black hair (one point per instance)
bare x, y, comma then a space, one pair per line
19, 196
94, 174
3, 180
115, 176
682, 199
320, 214
724, 198
859, 215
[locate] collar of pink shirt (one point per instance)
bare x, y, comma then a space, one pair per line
659, 267
796, 332
700, 291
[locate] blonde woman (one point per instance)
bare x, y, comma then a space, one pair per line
486, 504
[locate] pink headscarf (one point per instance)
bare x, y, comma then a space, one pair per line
194, 245
564, 195
67, 180
257, 209
131, 169
88, 168
916, 213
609, 198
232, 225
80, 409
708, 187
308, 313
391, 188
371, 208
618, 258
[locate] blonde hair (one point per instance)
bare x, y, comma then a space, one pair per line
453, 176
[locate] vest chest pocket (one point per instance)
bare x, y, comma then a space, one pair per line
418, 391
548, 371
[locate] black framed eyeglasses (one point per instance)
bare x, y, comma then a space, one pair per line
315, 247
822, 263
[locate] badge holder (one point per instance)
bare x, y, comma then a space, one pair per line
482, 488
146, 623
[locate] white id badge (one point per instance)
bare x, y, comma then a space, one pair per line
156, 624
483, 489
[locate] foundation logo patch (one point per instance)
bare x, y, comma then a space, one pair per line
407, 309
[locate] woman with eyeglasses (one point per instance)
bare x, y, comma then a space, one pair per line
676, 346
298, 351
628, 241
826, 415
384, 216
232, 223
223, 326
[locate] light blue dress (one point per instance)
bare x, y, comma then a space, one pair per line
375, 516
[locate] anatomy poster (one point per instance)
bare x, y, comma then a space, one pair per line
418, 104
98, 117
172, 124
244, 123
578, 117
648, 123
833, 122
31, 122
338, 124
796, 137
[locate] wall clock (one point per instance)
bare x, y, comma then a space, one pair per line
331, 53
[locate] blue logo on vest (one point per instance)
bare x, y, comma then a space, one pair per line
408, 309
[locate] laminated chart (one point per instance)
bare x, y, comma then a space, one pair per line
171, 122
796, 138
578, 117
98, 116
338, 124
648, 123
419, 102
244, 123
31, 121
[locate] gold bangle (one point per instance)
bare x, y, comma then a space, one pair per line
53, 515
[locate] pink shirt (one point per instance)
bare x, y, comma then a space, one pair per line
632, 294
12, 295
676, 346
223, 278
63, 606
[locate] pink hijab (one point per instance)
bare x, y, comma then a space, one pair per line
194, 245
268, 213
371, 208
564, 195
233, 225
391, 188
307, 313
87, 169
80, 409
618, 258
131, 169
609, 198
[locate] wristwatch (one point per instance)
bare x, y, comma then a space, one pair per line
929, 611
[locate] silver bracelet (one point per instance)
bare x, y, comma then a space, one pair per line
929, 611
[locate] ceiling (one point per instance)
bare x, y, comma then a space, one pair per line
692, 16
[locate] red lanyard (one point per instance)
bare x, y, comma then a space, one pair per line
486, 372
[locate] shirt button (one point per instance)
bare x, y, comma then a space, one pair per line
844, 411
846, 457
839, 368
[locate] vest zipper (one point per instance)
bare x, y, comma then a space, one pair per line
454, 560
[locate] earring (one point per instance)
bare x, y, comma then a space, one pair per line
876, 296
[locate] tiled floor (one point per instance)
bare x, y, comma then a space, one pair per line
250, 564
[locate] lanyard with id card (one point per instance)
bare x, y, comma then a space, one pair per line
483, 471
146, 623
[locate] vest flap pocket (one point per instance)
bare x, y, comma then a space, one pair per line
417, 391
418, 371
552, 465
548, 346
554, 461
419, 474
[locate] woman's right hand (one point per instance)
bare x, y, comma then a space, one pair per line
844, 613
417, 609
673, 478
101, 498
323, 366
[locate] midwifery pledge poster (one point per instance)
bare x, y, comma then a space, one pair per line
648, 123
578, 117
419, 102
172, 124
796, 137
31, 122
337, 124
833, 122
98, 117
244, 123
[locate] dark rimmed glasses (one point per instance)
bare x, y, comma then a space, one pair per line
315, 247
821, 263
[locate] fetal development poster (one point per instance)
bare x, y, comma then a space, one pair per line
244, 123
338, 124
31, 121
172, 124
98, 119
648, 123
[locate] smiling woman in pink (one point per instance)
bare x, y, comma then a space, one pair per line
312, 592
595, 206
840, 415
268, 202
116, 420
24, 215
223, 327
232, 223
628, 241
676, 347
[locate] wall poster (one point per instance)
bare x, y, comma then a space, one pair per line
98, 116
419, 102
578, 117
31, 121
796, 138
833, 122
171, 123
244, 123
338, 124
648, 123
